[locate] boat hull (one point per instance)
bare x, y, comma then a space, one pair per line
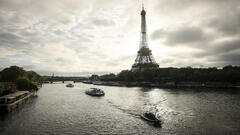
156, 122
96, 94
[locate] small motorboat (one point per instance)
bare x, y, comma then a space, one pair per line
70, 85
95, 92
148, 116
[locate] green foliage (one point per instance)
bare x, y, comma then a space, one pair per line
5, 90
108, 77
212, 74
25, 84
19, 78
94, 77
2, 91
11, 74
33, 76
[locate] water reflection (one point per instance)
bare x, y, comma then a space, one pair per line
60, 110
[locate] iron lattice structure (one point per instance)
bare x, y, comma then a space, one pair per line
144, 56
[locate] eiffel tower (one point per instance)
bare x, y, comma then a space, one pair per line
144, 55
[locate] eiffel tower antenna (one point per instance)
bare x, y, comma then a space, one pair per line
144, 56
142, 4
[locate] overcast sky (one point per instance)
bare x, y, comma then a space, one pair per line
79, 37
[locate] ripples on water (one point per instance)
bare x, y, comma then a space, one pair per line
59, 111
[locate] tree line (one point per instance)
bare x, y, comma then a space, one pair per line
228, 73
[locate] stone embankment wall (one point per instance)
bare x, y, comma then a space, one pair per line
14, 100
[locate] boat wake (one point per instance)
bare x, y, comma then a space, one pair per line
125, 110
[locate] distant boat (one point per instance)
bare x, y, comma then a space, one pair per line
87, 82
97, 82
70, 85
95, 92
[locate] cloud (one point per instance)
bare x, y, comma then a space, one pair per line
184, 35
102, 22
196, 24
218, 48
227, 23
158, 34
27, 67
8, 39
229, 58
77, 36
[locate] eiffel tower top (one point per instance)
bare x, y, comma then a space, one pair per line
143, 12
144, 40
144, 57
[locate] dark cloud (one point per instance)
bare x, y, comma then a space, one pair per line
11, 40
102, 22
8, 36
215, 32
221, 53
225, 59
157, 34
179, 6
183, 36
216, 49
227, 23
221, 16
226, 46
232, 58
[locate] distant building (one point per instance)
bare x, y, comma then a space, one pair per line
144, 56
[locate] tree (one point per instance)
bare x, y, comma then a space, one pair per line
11, 74
94, 77
33, 76
25, 84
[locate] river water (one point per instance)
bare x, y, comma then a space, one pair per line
59, 110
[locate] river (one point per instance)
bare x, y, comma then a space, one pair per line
59, 110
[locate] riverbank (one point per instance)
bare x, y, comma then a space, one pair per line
11, 101
222, 85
